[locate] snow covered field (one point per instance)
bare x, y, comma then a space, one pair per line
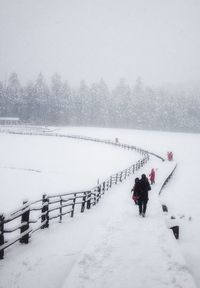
35, 165
95, 248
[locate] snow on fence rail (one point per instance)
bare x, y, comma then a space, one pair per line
167, 179
33, 216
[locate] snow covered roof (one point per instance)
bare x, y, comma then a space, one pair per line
9, 118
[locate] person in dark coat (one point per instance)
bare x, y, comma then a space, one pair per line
143, 196
136, 190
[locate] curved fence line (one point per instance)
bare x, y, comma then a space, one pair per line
21, 224
167, 179
49, 133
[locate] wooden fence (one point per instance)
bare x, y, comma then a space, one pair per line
33, 216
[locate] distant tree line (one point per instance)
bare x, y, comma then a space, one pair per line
137, 107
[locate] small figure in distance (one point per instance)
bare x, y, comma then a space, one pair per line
136, 191
143, 197
170, 156
152, 176
116, 140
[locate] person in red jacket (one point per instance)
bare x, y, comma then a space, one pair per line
152, 176
170, 156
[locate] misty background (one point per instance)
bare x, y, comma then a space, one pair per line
114, 63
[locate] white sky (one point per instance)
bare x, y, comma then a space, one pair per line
158, 40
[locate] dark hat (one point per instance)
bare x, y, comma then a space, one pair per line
137, 180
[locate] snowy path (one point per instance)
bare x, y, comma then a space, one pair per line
129, 251
110, 245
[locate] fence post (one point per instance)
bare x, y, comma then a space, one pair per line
1, 235
110, 181
95, 196
25, 222
125, 174
116, 178
99, 193
107, 184
120, 179
133, 169
89, 200
60, 209
104, 187
175, 230
73, 205
83, 203
45, 212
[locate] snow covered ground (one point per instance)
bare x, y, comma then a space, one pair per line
34, 165
110, 245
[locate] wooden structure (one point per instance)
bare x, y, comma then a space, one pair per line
9, 120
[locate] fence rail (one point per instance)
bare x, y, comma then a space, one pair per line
21, 224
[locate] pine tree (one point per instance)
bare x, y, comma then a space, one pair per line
41, 95
3, 104
14, 96
103, 110
67, 104
56, 98
30, 103
83, 94
121, 104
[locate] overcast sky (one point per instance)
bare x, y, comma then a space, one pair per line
158, 40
